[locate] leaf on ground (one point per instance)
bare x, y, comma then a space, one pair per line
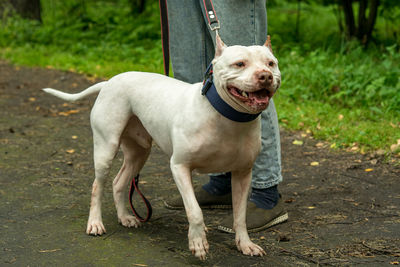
69, 112
32, 99
340, 117
49, 250
297, 142
395, 147
319, 144
74, 137
369, 170
314, 163
70, 151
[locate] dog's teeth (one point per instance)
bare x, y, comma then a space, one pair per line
244, 94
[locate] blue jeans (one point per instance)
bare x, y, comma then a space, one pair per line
243, 22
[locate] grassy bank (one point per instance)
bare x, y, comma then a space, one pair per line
332, 89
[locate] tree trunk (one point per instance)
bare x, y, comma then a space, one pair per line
370, 23
29, 9
365, 24
349, 17
361, 19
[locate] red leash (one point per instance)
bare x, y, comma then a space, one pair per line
135, 186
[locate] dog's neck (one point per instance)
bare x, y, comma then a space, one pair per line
210, 91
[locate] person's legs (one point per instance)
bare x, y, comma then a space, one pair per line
245, 23
191, 46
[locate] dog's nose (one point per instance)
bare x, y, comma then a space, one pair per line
264, 77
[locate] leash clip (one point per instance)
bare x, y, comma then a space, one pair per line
216, 27
207, 85
208, 79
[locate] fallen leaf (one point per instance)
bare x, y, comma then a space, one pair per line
297, 142
67, 113
319, 144
74, 137
139, 264
340, 117
301, 124
290, 200
49, 250
354, 148
32, 99
394, 263
314, 163
369, 170
262, 237
311, 207
333, 145
70, 151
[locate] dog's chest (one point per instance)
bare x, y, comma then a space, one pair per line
220, 149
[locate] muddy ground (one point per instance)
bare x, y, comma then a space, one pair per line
344, 211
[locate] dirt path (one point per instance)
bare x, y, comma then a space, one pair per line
340, 214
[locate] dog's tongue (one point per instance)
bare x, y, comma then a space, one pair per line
259, 97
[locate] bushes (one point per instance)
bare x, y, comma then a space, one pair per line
352, 79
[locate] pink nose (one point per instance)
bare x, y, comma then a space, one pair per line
264, 77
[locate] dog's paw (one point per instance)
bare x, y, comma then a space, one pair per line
129, 221
95, 228
249, 248
199, 247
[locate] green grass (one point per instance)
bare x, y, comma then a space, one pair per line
337, 90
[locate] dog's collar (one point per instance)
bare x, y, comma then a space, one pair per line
219, 104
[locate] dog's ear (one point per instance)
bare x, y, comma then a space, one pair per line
268, 43
219, 46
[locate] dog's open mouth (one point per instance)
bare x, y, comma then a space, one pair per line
257, 100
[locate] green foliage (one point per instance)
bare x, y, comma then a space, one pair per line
103, 32
349, 80
322, 75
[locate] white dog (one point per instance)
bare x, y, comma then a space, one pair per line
134, 108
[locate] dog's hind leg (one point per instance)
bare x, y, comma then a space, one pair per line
136, 146
107, 129
104, 153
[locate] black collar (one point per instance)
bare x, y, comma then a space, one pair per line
219, 104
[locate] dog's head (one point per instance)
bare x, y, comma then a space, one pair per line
246, 77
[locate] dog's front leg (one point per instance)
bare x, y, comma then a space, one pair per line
240, 189
197, 230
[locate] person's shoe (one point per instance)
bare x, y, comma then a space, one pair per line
205, 200
257, 219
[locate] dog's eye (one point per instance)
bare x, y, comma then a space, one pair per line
271, 63
239, 64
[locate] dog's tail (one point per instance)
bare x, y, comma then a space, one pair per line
74, 97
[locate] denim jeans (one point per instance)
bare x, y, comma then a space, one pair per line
243, 22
